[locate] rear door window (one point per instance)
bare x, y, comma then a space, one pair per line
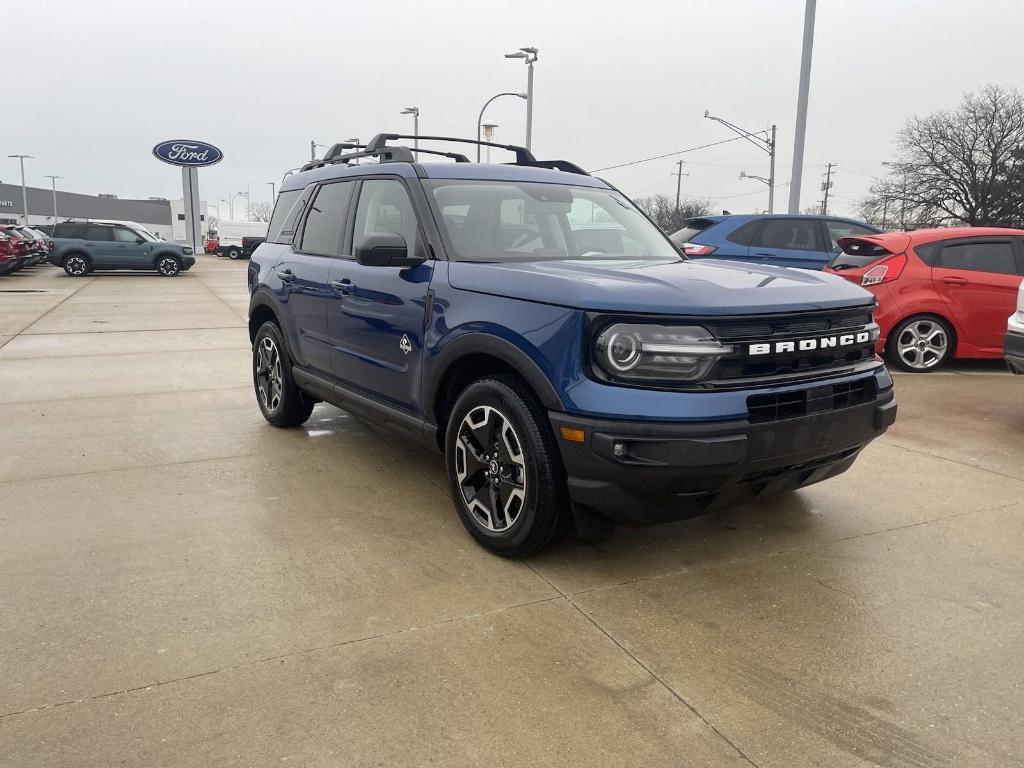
787, 234
980, 256
98, 234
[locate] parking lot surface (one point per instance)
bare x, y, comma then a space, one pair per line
184, 585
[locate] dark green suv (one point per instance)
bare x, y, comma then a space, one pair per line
81, 247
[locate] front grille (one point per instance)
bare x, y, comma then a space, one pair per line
790, 405
743, 331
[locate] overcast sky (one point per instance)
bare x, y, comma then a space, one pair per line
96, 83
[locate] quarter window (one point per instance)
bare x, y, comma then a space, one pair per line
980, 257
385, 207
324, 232
787, 234
286, 214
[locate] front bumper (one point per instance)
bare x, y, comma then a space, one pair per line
1013, 350
670, 471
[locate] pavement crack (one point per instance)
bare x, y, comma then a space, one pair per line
279, 657
87, 282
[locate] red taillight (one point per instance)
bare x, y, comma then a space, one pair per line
693, 249
885, 271
5, 247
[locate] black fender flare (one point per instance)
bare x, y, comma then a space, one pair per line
262, 297
487, 344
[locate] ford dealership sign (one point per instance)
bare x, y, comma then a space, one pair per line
187, 152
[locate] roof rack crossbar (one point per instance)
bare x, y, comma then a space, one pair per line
523, 155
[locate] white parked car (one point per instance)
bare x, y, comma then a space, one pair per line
1014, 346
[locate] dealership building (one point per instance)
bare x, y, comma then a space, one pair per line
164, 218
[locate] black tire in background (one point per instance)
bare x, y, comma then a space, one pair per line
272, 374
77, 265
904, 346
234, 254
541, 510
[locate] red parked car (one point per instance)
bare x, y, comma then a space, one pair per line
941, 293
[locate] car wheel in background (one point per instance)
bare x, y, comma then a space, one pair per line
76, 265
921, 343
168, 266
283, 404
504, 470
234, 253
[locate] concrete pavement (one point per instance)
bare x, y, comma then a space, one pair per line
183, 584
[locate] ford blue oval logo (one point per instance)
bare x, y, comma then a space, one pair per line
188, 152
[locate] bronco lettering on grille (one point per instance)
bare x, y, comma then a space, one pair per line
809, 345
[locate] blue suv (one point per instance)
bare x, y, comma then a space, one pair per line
786, 240
532, 324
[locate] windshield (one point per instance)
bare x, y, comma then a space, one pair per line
519, 221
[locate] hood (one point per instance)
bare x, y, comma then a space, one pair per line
706, 287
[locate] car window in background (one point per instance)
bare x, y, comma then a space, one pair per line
324, 232
857, 254
693, 227
69, 230
980, 257
837, 229
787, 234
98, 234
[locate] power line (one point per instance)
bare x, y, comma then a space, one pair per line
667, 154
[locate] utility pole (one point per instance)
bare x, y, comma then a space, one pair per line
678, 173
826, 186
801, 108
766, 144
771, 172
312, 149
53, 181
24, 192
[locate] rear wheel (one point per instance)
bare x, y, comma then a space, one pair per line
920, 344
76, 265
283, 404
504, 470
234, 253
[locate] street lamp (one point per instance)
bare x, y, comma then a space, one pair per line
765, 144
273, 192
238, 194
745, 175
53, 182
485, 106
488, 127
530, 56
24, 192
415, 112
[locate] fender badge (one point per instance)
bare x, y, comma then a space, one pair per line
405, 345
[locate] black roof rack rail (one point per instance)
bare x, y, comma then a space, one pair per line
523, 155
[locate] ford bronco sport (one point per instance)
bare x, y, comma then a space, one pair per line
604, 378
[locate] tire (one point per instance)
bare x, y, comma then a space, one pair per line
77, 265
168, 266
504, 470
921, 344
234, 254
283, 404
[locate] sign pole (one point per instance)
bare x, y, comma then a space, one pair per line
189, 155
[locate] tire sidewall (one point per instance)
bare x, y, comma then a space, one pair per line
234, 255
487, 393
893, 343
177, 265
76, 256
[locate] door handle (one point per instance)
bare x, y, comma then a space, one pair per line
954, 280
285, 276
344, 286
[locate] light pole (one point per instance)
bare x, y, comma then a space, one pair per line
53, 182
415, 112
238, 194
487, 103
530, 55
273, 192
488, 126
800, 131
765, 144
24, 192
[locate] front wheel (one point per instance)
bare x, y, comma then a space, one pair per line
76, 265
168, 266
920, 344
504, 470
283, 404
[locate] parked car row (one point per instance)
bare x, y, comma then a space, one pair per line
21, 247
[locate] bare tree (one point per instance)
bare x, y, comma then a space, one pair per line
260, 211
964, 166
662, 210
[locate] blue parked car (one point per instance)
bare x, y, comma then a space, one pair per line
786, 240
532, 324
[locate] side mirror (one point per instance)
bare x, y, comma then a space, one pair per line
384, 249
140, 240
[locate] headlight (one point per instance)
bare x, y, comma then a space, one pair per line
642, 352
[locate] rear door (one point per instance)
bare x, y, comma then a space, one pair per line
787, 242
304, 273
99, 244
978, 279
